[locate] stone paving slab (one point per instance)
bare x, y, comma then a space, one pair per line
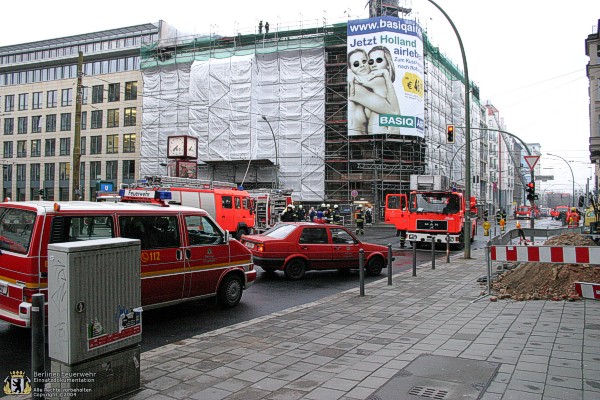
347, 347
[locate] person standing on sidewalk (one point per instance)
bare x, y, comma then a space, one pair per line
359, 219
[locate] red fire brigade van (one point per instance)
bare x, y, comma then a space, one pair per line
185, 255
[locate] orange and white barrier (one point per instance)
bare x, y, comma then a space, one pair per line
549, 254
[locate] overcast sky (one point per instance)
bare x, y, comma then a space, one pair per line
527, 56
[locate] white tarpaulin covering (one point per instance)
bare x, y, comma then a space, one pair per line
222, 102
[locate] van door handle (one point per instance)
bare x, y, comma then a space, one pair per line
178, 255
188, 254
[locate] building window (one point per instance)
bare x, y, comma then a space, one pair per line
65, 146
66, 97
128, 169
34, 172
129, 143
36, 124
21, 173
82, 173
37, 101
111, 170
95, 172
130, 113
63, 171
131, 90
21, 148
96, 119
8, 149
82, 145
112, 144
51, 123
114, 92
85, 93
112, 118
49, 172
22, 125
9, 126
65, 122
36, 148
51, 98
50, 147
97, 94
96, 145
9, 103
83, 120
7, 173
23, 99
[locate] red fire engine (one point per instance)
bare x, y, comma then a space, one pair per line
269, 204
431, 209
233, 209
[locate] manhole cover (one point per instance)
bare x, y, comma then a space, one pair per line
429, 392
440, 378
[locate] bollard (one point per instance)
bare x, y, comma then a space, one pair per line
38, 342
414, 245
447, 248
433, 252
389, 264
361, 271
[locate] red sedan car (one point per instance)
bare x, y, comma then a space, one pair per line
297, 247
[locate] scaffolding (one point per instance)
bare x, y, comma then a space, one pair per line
354, 168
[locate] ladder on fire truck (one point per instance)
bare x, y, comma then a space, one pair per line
171, 181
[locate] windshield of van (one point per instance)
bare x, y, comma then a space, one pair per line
16, 227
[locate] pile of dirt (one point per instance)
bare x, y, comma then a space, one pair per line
546, 281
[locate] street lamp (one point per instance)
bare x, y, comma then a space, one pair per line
572, 175
276, 153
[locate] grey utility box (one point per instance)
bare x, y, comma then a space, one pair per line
94, 317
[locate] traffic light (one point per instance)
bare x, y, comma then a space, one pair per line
41, 193
531, 196
449, 133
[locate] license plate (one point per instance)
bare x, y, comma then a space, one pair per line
3, 288
249, 245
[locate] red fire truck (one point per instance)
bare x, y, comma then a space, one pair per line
431, 209
233, 209
185, 255
269, 204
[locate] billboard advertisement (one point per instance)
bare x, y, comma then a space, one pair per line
385, 77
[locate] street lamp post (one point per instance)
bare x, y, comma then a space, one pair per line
276, 153
467, 130
572, 176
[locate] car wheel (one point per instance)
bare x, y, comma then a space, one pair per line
295, 269
230, 291
374, 266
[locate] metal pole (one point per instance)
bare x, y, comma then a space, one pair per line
467, 130
414, 265
361, 271
389, 265
432, 252
276, 153
447, 248
572, 177
38, 342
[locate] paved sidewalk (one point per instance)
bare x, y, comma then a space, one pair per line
348, 347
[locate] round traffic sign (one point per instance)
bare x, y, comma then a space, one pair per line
354, 193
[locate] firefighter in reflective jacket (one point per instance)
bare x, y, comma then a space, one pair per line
359, 218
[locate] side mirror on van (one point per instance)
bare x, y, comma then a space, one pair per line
227, 237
